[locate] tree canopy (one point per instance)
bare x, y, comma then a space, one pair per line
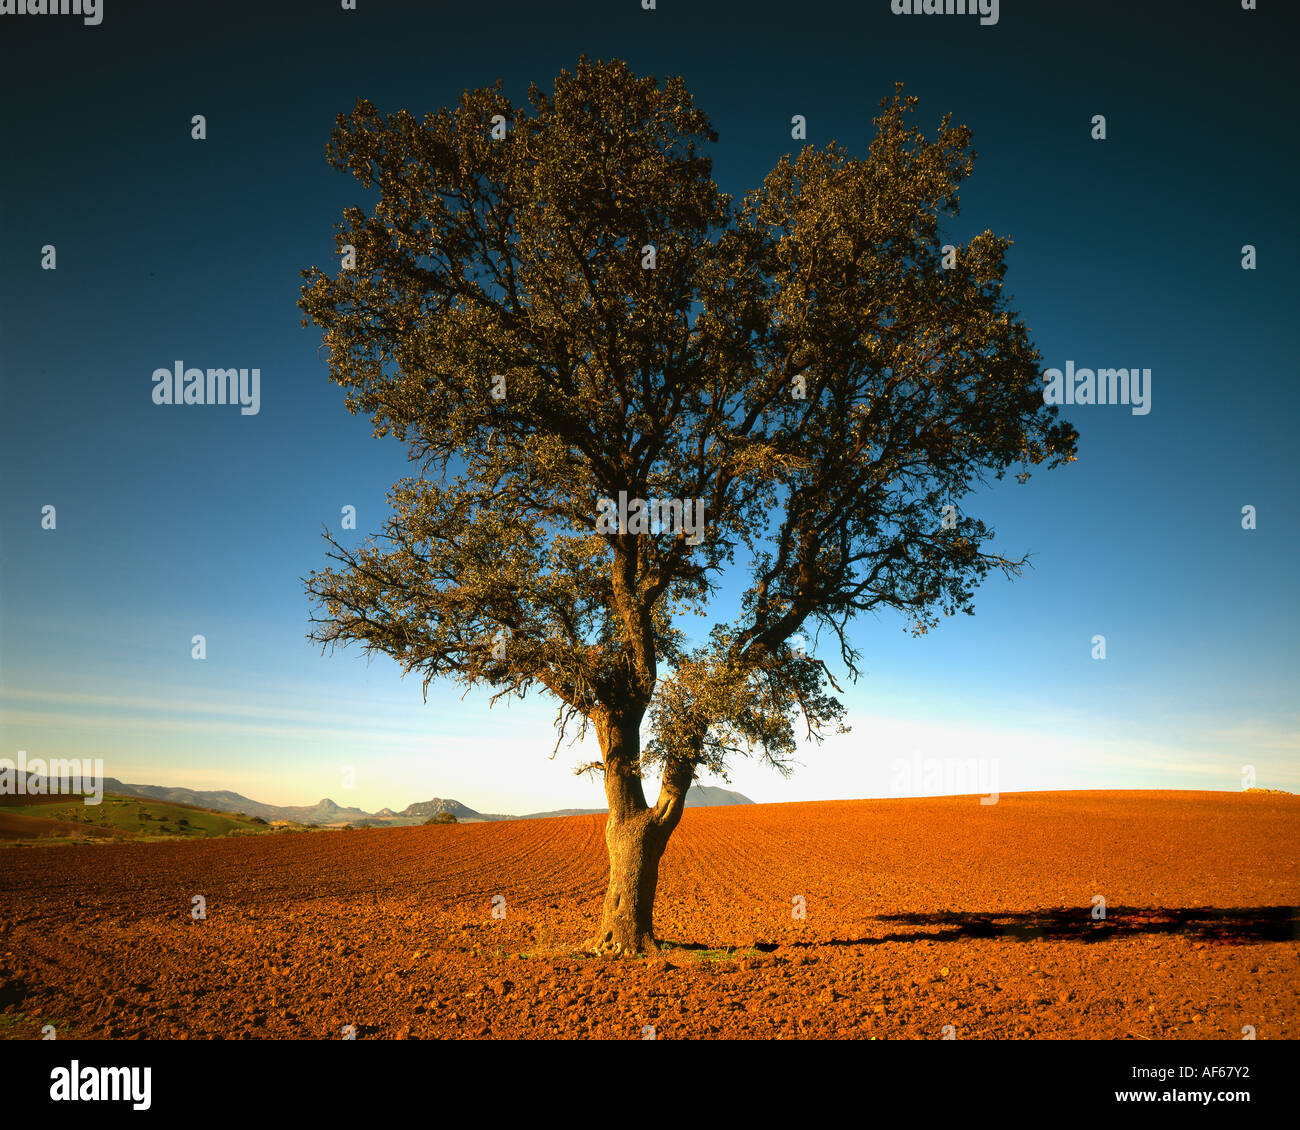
554, 304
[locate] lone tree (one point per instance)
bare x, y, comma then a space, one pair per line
614, 378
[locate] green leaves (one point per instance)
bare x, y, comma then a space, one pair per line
801, 362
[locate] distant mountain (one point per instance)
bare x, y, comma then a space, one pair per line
709, 796
328, 814
426, 808
222, 801
324, 811
697, 796
561, 812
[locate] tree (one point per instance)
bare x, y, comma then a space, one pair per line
557, 311
442, 818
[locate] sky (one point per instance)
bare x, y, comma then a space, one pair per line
173, 522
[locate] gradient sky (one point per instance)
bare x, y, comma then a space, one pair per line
176, 521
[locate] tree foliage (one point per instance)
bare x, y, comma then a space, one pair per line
800, 360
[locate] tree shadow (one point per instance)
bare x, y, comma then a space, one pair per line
1225, 925
668, 947
13, 992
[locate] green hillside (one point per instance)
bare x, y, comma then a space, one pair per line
68, 819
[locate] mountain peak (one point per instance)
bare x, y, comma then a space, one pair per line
437, 805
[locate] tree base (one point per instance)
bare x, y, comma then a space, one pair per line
609, 944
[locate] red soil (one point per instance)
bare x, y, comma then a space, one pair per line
17, 826
919, 914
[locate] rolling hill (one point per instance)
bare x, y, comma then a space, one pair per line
327, 814
63, 819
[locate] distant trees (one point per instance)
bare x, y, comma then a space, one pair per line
442, 818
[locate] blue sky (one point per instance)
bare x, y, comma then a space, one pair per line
177, 521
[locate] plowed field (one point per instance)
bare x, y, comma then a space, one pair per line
918, 915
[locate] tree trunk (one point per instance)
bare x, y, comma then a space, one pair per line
635, 836
635, 844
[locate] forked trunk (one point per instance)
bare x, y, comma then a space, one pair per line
636, 844
635, 836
